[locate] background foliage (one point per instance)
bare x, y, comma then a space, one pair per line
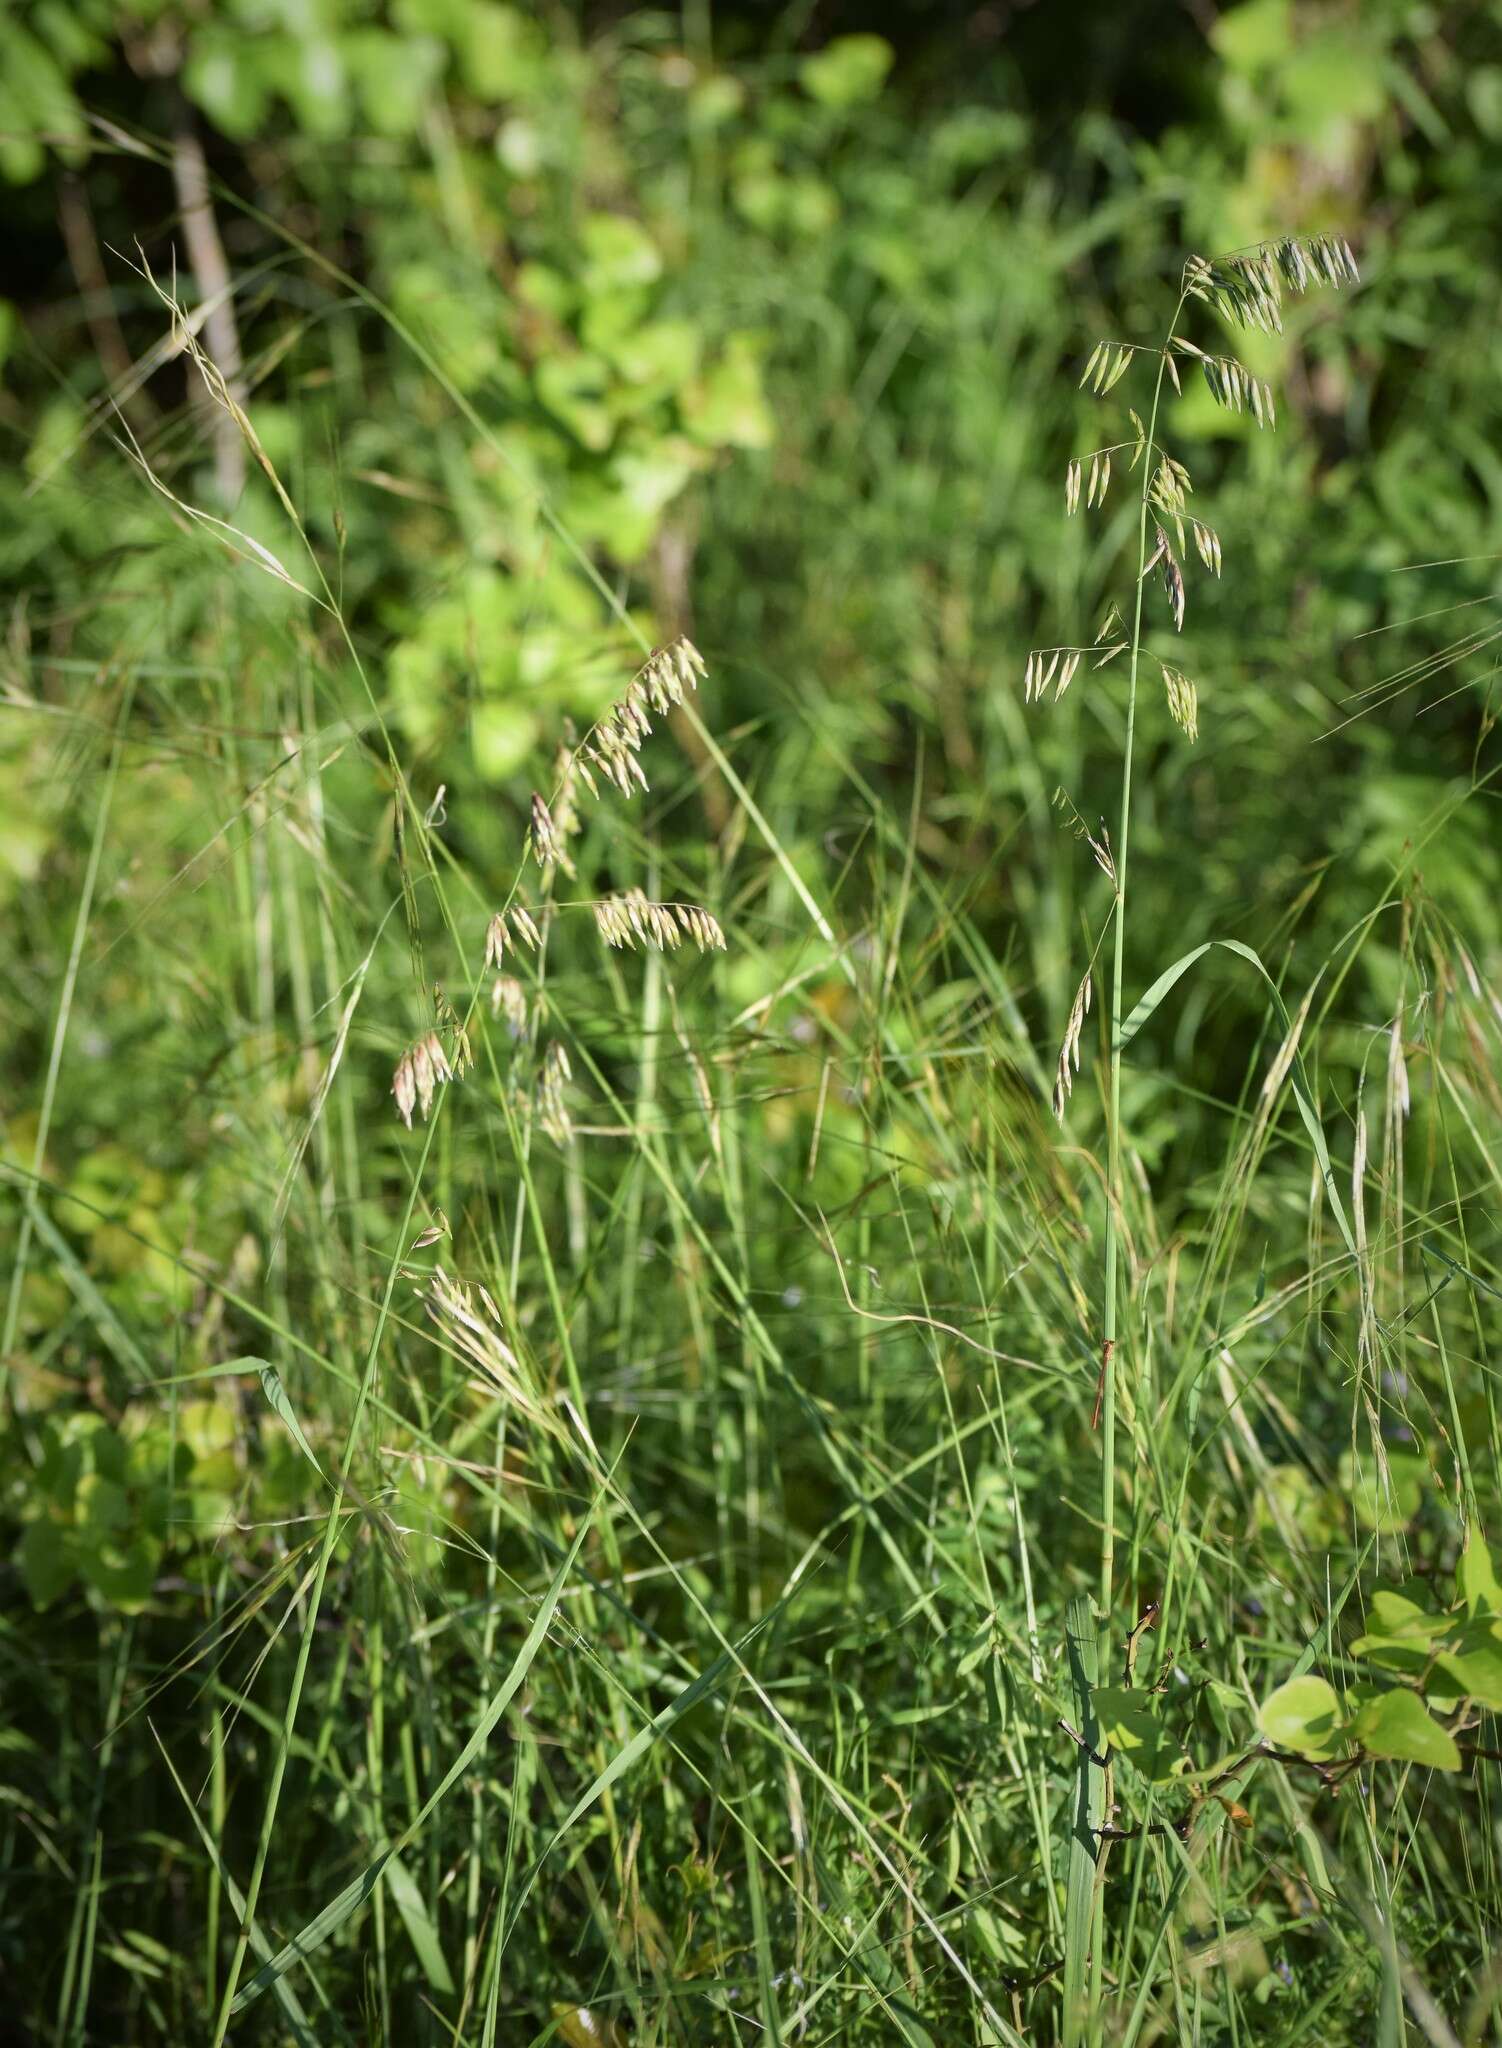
560, 335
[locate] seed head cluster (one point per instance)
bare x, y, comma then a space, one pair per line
610, 749
626, 918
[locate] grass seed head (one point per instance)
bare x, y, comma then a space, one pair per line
552, 1102
508, 999
1069, 1052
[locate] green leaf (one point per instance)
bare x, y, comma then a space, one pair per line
36, 102
501, 736
1474, 1665
619, 254
223, 76
101, 1508
727, 407
1129, 1723
1398, 1725
847, 71
208, 1429
47, 1559
1476, 1577
123, 1573
1396, 1613
394, 76
572, 387
502, 53
1303, 1715
1254, 36
1401, 1633
276, 1394
409, 1902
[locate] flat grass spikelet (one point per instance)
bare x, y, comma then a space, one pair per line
552, 1101
508, 999
419, 1071
508, 928
1069, 1051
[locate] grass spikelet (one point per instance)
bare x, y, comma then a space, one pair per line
549, 848
1183, 700
1069, 1051
507, 928
419, 1071
1173, 579
473, 1329
552, 1101
508, 999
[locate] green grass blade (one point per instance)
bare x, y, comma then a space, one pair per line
354, 1895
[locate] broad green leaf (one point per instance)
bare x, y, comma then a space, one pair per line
1398, 1725
847, 71
1255, 35
572, 387
123, 1573
224, 76
1304, 1715
619, 254
1476, 1577
394, 76
1397, 1613
727, 407
1401, 1634
1474, 1665
501, 736
101, 1508
502, 53
47, 1559
1290, 1498
1130, 1723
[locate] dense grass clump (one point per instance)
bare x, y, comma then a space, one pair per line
750, 1167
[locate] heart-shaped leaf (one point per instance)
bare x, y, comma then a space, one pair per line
1398, 1725
1304, 1715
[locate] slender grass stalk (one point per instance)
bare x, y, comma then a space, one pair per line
1115, 1192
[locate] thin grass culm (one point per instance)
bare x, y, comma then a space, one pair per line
1244, 290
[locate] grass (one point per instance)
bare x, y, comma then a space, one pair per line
632, 1557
